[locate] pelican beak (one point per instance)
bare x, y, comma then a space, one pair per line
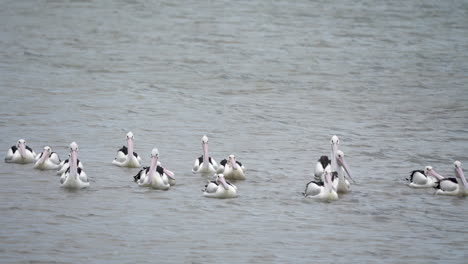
169, 174
152, 168
435, 174
461, 175
343, 163
224, 183
130, 146
233, 162
205, 148
22, 149
328, 180
72, 162
45, 156
333, 158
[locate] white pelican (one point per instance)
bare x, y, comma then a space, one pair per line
47, 160
322, 190
231, 168
322, 165
220, 188
74, 177
340, 183
462, 187
20, 153
424, 178
64, 165
125, 156
167, 175
152, 175
205, 165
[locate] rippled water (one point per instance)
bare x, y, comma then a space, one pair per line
270, 81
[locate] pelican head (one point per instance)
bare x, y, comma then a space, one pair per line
73, 146
21, 142
130, 135
220, 180
340, 154
130, 144
155, 153
204, 139
458, 170
427, 169
335, 140
459, 174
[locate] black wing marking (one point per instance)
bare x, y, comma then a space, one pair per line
224, 161
206, 186
437, 185
124, 150
324, 161
160, 170
200, 160
137, 176
55, 154
78, 169
334, 175
413, 172
307, 185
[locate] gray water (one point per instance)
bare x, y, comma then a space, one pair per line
270, 81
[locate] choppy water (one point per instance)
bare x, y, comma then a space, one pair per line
270, 81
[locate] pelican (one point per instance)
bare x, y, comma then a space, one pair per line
462, 187
125, 156
74, 177
424, 178
167, 175
340, 183
220, 188
205, 165
324, 191
322, 165
20, 153
231, 168
64, 165
152, 176
47, 160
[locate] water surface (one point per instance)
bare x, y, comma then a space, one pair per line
270, 81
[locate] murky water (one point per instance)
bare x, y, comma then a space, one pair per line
269, 81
